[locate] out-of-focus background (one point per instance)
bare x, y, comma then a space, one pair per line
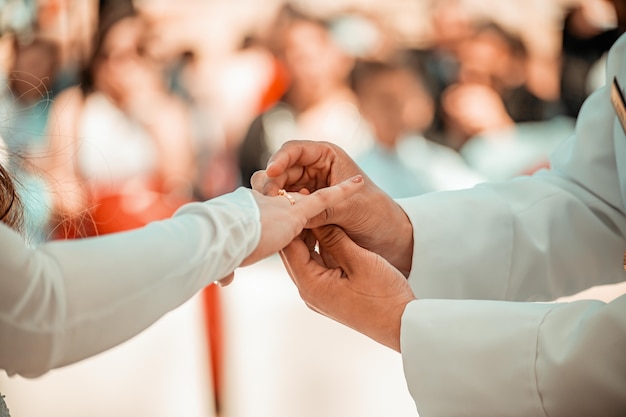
115, 113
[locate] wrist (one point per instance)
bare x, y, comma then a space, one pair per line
399, 240
391, 327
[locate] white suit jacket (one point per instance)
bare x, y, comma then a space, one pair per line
474, 344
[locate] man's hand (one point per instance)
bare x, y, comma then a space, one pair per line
283, 217
369, 216
363, 291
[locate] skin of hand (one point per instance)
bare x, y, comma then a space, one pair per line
363, 292
281, 221
369, 216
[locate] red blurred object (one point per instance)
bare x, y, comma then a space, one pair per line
277, 87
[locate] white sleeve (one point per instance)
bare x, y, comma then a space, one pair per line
498, 358
526, 240
68, 300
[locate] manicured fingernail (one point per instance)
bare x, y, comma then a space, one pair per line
358, 178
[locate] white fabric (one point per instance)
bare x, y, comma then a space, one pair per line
416, 166
68, 300
532, 239
503, 154
336, 120
113, 148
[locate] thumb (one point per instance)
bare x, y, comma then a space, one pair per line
345, 253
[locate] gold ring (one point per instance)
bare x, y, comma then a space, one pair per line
287, 196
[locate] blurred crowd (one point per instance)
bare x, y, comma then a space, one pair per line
114, 113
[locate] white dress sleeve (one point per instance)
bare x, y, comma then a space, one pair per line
67, 300
533, 238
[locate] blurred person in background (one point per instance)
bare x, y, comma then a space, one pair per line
115, 160
492, 63
318, 102
498, 58
398, 107
499, 125
35, 56
241, 86
27, 90
219, 91
71, 25
451, 23
590, 27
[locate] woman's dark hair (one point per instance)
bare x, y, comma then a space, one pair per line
11, 210
108, 16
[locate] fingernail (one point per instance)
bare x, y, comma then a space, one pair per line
358, 178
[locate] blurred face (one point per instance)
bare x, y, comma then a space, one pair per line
33, 72
311, 56
480, 58
122, 42
451, 23
487, 59
620, 11
394, 103
122, 68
